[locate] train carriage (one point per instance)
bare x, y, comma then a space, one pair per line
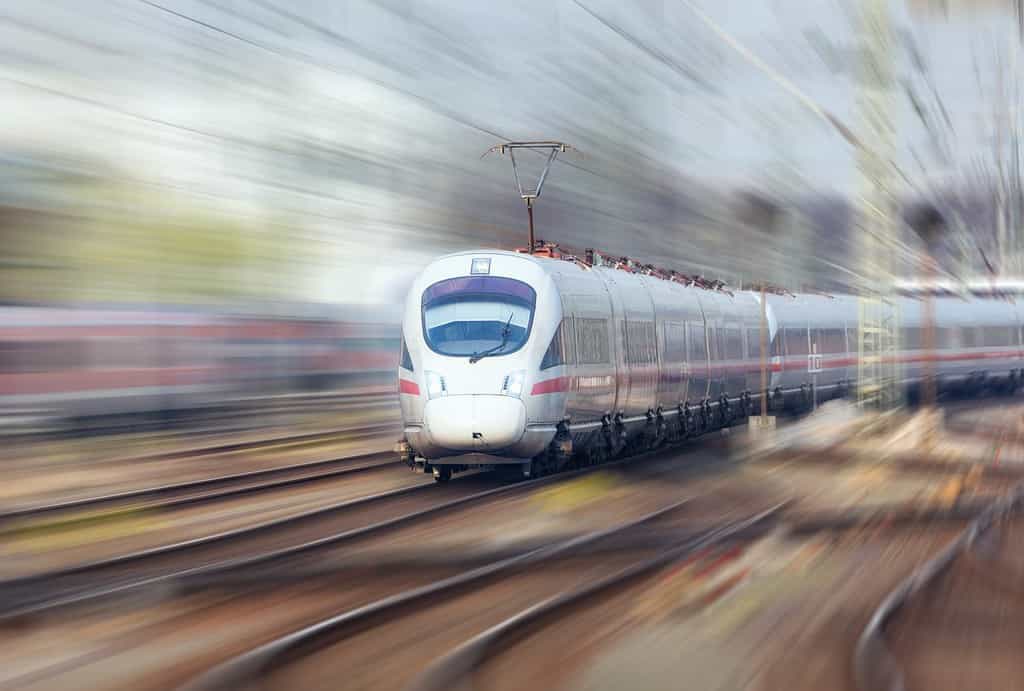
510, 359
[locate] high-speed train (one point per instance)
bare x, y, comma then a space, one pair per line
534, 363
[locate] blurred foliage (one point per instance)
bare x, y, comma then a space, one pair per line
126, 241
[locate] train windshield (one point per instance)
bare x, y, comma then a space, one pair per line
477, 315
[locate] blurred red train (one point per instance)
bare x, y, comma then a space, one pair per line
80, 363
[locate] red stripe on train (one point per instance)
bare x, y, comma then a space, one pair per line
409, 387
556, 385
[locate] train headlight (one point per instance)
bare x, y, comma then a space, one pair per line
435, 385
513, 383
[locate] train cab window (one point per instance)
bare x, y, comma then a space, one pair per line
476, 314
560, 351
406, 358
592, 341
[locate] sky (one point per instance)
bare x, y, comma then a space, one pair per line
367, 118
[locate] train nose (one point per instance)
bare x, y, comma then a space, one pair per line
474, 423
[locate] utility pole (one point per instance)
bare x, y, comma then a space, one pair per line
878, 318
764, 215
929, 224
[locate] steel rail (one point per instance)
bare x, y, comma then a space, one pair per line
231, 447
463, 660
165, 501
874, 666
234, 672
34, 594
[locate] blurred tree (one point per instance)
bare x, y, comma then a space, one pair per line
122, 241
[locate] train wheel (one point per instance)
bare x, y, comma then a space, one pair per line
442, 473
541, 466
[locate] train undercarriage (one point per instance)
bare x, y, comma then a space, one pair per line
618, 438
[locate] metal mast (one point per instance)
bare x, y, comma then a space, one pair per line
530, 194
878, 315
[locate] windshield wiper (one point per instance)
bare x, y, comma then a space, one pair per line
477, 357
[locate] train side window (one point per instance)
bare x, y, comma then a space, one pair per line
592, 341
639, 342
698, 343
675, 342
968, 337
406, 358
796, 341
831, 341
754, 343
732, 344
997, 336
912, 338
556, 352
565, 332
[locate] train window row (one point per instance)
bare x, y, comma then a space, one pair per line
688, 341
962, 337
800, 342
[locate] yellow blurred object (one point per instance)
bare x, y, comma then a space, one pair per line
576, 493
81, 529
949, 492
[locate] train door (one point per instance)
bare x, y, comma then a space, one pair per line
673, 379
697, 362
797, 344
753, 359
733, 366
586, 314
827, 357
714, 320
639, 345
613, 280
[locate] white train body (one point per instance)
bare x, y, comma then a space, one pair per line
601, 356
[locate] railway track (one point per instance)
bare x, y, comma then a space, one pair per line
262, 547
205, 489
262, 544
261, 442
388, 642
955, 621
238, 618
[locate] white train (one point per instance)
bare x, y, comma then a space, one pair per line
534, 363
